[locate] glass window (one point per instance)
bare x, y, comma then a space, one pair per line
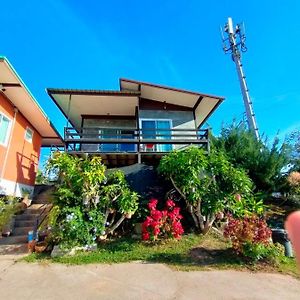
157, 129
28, 135
4, 129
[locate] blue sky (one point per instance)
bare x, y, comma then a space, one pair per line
91, 44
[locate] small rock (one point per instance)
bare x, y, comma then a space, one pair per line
58, 252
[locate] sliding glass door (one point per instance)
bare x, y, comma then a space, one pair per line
157, 129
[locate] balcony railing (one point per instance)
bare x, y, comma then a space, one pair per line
132, 140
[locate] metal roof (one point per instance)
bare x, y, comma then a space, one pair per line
20, 96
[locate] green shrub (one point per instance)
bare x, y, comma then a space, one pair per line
88, 204
264, 164
207, 183
8, 207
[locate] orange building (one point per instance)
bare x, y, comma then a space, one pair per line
24, 129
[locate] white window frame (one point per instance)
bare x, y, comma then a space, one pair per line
28, 129
5, 143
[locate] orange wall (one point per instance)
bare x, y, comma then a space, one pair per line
23, 156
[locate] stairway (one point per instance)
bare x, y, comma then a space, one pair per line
27, 221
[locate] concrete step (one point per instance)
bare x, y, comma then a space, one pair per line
32, 212
22, 230
18, 239
26, 217
25, 223
35, 206
41, 201
13, 249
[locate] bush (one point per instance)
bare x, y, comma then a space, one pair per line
8, 207
250, 236
162, 224
294, 182
247, 205
207, 183
263, 164
88, 204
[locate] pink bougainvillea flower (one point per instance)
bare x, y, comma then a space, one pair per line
148, 221
165, 223
156, 215
164, 213
170, 203
146, 236
156, 231
152, 204
176, 211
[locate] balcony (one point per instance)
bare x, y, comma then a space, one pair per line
129, 144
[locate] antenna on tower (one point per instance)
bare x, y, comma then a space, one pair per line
235, 43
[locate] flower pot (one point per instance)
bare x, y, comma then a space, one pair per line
27, 201
40, 247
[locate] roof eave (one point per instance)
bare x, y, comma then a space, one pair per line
23, 85
169, 88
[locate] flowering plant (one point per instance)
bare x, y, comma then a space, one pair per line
165, 223
294, 182
250, 236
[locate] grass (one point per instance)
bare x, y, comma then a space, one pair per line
192, 252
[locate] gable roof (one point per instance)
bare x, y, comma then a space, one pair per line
76, 103
202, 104
17, 92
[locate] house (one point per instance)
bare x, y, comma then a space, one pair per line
136, 124
24, 129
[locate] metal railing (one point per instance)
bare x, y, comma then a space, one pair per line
96, 139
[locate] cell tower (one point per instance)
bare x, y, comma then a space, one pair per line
234, 44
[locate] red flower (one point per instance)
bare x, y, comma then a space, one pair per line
164, 213
165, 223
152, 204
156, 214
170, 203
156, 231
145, 236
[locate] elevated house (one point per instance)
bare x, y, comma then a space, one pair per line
137, 124
24, 129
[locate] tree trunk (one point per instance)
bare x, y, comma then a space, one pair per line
118, 223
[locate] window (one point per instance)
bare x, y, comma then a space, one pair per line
5, 124
157, 129
28, 135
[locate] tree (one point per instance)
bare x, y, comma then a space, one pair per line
294, 142
89, 204
41, 178
207, 183
263, 164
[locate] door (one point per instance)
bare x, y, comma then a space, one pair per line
163, 129
152, 128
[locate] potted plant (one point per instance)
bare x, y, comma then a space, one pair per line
26, 197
